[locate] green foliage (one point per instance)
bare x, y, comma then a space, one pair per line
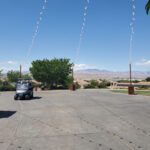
67, 82
26, 76
1, 73
143, 87
127, 81
52, 72
6, 86
135, 81
104, 84
13, 76
78, 86
147, 79
92, 84
87, 81
89, 86
95, 84
123, 81
147, 7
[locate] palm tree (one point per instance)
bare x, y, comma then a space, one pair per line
147, 7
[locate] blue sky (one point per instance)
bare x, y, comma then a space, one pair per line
105, 43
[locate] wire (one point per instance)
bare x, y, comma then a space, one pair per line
36, 31
132, 26
82, 28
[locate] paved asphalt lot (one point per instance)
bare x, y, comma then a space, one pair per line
80, 120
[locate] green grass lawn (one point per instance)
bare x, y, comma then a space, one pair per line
137, 92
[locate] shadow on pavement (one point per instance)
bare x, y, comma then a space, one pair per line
6, 114
34, 98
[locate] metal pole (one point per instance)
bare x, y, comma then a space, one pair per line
130, 73
20, 71
72, 75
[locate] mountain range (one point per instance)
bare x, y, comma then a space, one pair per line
87, 74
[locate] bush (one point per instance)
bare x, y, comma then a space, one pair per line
93, 84
7, 87
143, 87
102, 85
78, 86
1, 82
89, 86
123, 81
127, 81
148, 79
136, 81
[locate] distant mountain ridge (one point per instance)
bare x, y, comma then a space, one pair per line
115, 75
91, 71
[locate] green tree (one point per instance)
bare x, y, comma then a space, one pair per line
94, 83
0, 73
13, 76
147, 79
26, 76
52, 72
147, 7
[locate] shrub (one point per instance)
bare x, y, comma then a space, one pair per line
123, 81
78, 86
148, 79
89, 86
104, 84
127, 81
7, 87
94, 83
143, 87
135, 81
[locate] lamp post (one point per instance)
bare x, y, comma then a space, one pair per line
20, 71
130, 87
73, 86
132, 23
130, 70
72, 74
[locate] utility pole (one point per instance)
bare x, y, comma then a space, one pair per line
130, 74
72, 75
20, 71
130, 87
73, 87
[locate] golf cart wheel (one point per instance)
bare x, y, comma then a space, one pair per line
15, 97
27, 97
19, 98
31, 96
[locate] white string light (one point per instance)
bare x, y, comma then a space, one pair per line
82, 27
132, 24
36, 29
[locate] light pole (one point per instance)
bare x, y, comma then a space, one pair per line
73, 86
130, 69
20, 71
130, 87
132, 23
